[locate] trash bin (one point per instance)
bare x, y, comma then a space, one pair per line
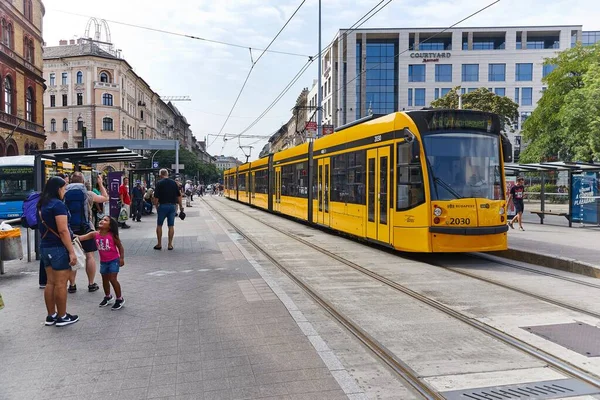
11, 247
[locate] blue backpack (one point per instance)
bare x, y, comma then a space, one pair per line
76, 201
29, 218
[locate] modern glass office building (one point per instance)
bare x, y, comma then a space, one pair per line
385, 70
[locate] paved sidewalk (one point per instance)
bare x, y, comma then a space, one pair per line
576, 243
199, 323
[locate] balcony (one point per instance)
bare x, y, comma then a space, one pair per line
20, 60
21, 124
106, 86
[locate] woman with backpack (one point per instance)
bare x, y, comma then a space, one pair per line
57, 251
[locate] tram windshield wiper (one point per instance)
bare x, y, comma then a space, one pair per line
447, 187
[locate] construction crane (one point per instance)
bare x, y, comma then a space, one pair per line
176, 98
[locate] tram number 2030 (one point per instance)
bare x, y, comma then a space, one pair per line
459, 221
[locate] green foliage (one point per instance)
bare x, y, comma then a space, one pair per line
533, 193
566, 121
194, 169
482, 100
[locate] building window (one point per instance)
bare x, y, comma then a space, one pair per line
53, 146
443, 73
8, 95
52, 125
519, 40
445, 91
588, 38
28, 49
52, 79
382, 81
28, 9
436, 93
29, 110
517, 96
142, 112
547, 69
107, 99
524, 116
104, 77
65, 145
489, 41
79, 99
526, 96
52, 100
524, 72
65, 126
7, 34
470, 72
416, 73
359, 78
497, 73
79, 77
107, 124
540, 41
64, 100
419, 97
410, 97
500, 91
79, 125
64, 78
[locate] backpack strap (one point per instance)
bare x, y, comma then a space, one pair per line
48, 229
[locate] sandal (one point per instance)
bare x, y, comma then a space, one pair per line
72, 288
170, 247
157, 247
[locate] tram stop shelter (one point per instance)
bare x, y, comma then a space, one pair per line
582, 193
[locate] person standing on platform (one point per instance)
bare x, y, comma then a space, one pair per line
125, 200
516, 195
137, 194
167, 196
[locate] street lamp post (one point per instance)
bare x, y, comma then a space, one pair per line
152, 161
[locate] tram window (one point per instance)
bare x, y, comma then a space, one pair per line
410, 191
339, 179
294, 180
260, 182
348, 178
241, 182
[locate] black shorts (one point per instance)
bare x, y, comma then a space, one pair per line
519, 207
89, 246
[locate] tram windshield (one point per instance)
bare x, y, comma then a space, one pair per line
16, 183
463, 165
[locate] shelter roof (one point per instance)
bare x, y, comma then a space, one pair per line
92, 155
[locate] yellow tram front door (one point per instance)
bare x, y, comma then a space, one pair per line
323, 176
378, 194
277, 191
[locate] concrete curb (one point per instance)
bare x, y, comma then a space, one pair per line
550, 261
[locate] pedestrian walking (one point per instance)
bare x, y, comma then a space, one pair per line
137, 193
79, 201
167, 196
56, 250
516, 195
125, 200
112, 258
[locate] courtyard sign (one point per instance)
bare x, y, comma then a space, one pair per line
430, 57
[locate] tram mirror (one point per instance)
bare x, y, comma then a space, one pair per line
408, 135
507, 149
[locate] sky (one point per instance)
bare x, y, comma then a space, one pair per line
212, 74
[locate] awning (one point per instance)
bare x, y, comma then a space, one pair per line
575, 167
92, 155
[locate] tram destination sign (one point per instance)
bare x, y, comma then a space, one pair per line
453, 120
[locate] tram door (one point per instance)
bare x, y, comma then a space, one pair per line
323, 191
378, 194
277, 191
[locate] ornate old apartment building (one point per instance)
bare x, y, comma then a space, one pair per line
21, 79
91, 86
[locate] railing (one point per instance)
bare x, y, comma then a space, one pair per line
98, 84
22, 123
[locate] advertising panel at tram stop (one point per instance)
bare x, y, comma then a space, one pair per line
585, 198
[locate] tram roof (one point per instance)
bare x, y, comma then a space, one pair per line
577, 166
92, 155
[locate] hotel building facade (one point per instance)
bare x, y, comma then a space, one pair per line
381, 71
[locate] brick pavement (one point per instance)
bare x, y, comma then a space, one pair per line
199, 323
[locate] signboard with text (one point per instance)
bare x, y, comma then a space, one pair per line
584, 195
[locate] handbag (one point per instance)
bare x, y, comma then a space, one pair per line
123, 214
77, 247
1, 302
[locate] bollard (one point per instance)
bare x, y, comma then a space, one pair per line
28, 246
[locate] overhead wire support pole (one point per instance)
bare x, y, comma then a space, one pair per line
319, 88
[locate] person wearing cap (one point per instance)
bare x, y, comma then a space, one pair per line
137, 194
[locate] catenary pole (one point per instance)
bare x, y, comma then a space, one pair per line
320, 89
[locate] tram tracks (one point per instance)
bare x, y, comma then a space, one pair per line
403, 370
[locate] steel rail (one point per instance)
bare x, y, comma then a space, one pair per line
561, 365
398, 366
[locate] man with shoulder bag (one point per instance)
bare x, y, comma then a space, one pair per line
79, 201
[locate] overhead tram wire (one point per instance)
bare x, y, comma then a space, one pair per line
426, 40
303, 69
240, 46
252, 67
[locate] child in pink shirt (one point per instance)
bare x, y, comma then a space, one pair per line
112, 257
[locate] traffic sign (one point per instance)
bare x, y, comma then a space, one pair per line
155, 164
327, 129
174, 166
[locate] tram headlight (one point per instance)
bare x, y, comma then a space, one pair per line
437, 211
502, 210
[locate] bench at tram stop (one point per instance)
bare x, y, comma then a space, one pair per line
541, 214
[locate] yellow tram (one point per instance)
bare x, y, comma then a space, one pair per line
418, 181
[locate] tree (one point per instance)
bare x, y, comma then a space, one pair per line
482, 100
565, 122
193, 167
